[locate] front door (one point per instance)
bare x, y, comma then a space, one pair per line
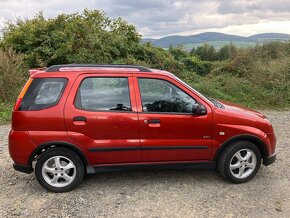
101, 116
168, 129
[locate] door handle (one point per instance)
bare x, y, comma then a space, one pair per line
153, 122
80, 118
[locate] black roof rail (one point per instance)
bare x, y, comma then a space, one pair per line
56, 68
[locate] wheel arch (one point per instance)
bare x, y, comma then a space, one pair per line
250, 138
43, 147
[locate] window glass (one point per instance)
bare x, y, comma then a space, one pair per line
49, 92
104, 94
43, 93
162, 96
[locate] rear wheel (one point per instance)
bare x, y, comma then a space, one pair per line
59, 170
240, 162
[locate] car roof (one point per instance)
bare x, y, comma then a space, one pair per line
94, 68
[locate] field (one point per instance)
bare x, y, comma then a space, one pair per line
220, 44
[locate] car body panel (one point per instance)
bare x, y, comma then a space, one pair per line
20, 146
179, 137
107, 130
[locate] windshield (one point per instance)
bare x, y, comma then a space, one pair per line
211, 100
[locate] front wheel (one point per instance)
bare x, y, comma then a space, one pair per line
240, 162
59, 170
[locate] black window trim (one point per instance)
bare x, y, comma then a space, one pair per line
60, 94
154, 112
109, 111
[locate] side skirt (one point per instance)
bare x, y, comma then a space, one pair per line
150, 166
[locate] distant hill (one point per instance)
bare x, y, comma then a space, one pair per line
269, 36
210, 37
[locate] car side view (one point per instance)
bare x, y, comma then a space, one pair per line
77, 119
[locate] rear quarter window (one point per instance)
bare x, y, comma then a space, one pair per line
43, 93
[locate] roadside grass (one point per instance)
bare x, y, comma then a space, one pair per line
5, 113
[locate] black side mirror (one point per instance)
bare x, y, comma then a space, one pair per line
198, 109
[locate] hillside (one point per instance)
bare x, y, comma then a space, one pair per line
210, 37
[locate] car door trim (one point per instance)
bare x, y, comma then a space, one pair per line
152, 166
199, 147
146, 148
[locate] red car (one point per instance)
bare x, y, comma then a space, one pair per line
80, 119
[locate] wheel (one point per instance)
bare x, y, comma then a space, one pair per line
59, 170
240, 162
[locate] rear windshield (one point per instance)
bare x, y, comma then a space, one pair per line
43, 93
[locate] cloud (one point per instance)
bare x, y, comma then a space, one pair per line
167, 17
253, 6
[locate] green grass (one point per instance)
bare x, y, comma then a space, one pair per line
5, 112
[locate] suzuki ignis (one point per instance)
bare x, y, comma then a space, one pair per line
72, 120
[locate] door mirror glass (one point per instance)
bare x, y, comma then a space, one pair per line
198, 109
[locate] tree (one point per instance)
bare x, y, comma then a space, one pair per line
206, 52
227, 51
89, 37
178, 52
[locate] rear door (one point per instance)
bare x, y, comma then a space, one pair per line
101, 116
168, 129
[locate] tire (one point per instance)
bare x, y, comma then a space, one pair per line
239, 162
59, 170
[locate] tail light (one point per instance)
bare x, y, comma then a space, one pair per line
22, 93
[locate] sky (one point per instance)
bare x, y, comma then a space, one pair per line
158, 18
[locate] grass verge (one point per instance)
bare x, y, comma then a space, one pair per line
5, 112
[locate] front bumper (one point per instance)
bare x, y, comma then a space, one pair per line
23, 168
269, 160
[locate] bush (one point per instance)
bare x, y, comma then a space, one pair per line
90, 37
13, 73
5, 112
251, 78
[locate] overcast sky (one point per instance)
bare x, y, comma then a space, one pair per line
157, 18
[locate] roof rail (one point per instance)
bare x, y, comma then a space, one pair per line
56, 68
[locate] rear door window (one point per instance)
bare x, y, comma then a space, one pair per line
43, 93
104, 94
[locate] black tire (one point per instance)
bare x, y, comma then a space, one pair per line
225, 159
67, 153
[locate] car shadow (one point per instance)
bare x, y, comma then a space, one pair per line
154, 177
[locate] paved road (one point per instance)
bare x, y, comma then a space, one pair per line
166, 193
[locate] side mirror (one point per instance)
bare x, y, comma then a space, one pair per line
198, 109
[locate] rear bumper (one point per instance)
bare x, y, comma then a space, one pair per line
23, 168
269, 160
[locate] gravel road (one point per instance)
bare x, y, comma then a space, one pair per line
166, 193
